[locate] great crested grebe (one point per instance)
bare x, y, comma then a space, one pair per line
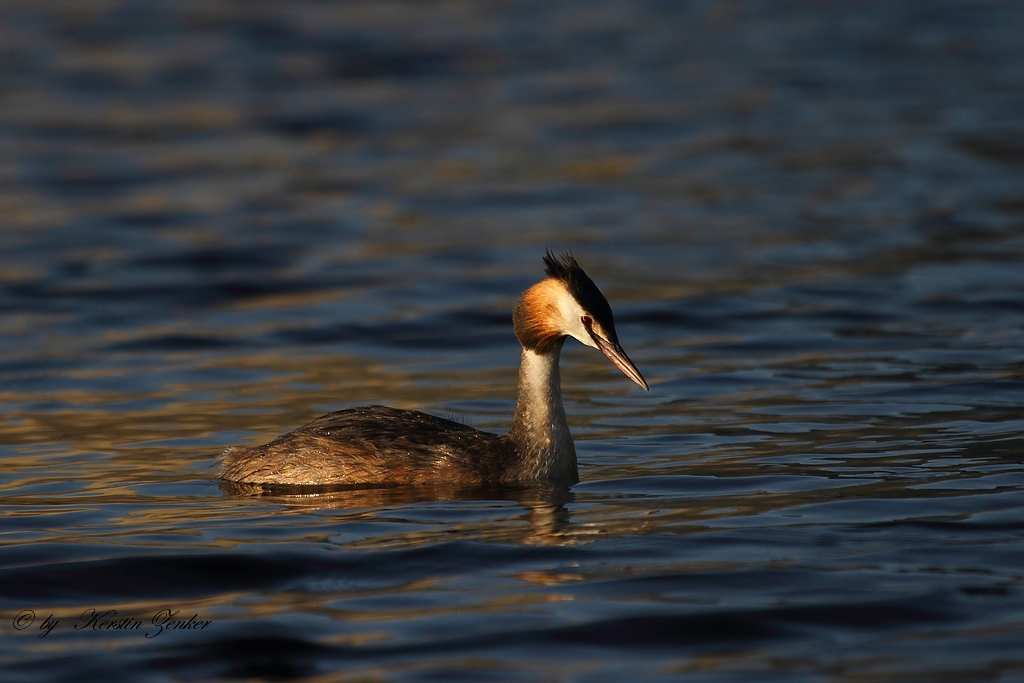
379, 445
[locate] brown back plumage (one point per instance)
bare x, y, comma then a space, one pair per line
374, 445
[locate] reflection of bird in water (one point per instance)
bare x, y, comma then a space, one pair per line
547, 517
378, 445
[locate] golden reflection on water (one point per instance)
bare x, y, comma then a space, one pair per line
97, 450
108, 453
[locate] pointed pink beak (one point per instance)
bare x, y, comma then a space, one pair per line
617, 356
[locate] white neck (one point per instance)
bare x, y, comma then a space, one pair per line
539, 430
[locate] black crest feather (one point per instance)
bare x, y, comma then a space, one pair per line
568, 271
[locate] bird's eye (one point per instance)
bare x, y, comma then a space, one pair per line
587, 322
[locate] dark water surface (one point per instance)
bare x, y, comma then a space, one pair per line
219, 220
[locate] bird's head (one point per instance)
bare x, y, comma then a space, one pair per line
567, 303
